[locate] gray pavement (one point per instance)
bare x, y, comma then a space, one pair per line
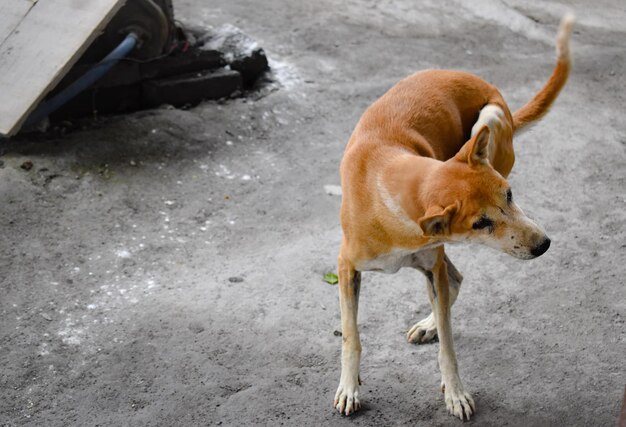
165, 267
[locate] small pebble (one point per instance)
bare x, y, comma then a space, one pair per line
196, 327
333, 190
45, 316
27, 165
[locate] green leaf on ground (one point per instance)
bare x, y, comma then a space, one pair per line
331, 278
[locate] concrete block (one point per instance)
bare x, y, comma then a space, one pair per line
250, 66
191, 61
191, 89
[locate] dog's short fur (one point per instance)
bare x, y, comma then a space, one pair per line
411, 182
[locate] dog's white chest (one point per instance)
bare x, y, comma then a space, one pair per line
391, 262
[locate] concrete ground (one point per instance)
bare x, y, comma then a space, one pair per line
165, 267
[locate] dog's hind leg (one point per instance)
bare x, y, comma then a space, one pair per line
425, 330
347, 396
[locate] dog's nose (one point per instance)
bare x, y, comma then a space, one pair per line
541, 249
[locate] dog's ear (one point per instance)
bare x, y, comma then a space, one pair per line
436, 221
476, 150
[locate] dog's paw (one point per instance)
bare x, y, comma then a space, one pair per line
459, 402
347, 399
423, 331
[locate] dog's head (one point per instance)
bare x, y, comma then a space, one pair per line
471, 201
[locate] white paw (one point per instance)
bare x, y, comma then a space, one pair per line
459, 402
423, 331
347, 399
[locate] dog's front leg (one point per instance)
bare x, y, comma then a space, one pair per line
458, 401
347, 396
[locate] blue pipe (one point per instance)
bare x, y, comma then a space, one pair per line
90, 77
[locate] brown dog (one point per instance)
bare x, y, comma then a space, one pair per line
411, 182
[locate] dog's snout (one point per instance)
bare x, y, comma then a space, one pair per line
541, 248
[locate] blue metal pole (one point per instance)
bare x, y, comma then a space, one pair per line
86, 80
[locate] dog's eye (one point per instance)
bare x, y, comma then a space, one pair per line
509, 196
483, 222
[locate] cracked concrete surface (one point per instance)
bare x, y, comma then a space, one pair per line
164, 267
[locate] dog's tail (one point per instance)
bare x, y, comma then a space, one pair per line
540, 104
